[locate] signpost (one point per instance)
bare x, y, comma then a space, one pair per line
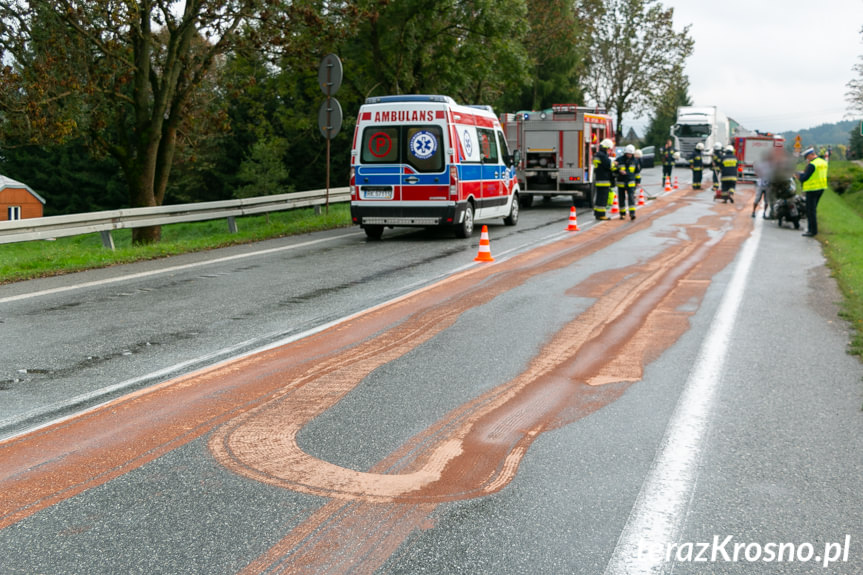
797, 145
330, 113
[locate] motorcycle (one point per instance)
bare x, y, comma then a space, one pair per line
789, 206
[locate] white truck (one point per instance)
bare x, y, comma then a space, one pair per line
556, 150
694, 124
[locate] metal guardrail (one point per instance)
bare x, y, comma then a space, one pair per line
105, 222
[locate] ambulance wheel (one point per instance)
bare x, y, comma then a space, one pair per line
465, 228
374, 232
512, 218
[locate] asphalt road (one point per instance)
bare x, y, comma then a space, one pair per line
630, 398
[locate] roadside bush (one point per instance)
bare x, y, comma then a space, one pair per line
845, 177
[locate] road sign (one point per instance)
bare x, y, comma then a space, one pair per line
797, 143
330, 118
330, 75
330, 112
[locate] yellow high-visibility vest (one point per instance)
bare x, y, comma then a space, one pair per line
818, 179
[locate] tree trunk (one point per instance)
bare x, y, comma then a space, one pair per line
142, 187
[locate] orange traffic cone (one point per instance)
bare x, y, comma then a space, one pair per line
615, 207
484, 254
641, 201
573, 223
676, 187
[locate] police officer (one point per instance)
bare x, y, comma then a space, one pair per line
668, 156
603, 178
696, 163
716, 164
729, 174
624, 173
814, 180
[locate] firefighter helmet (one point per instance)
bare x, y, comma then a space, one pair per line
638, 153
630, 149
606, 143
717, 146
699, 146
729, 148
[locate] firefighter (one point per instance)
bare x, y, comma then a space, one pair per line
716, 164
603, 177
696, 162
668, 157
729, 174
624, 173
638, 155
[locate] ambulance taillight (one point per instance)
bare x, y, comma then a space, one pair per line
353, 184
453, 182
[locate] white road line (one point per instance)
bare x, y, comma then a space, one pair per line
167, 270
656, 519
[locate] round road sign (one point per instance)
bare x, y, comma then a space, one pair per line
330, 75
330, 118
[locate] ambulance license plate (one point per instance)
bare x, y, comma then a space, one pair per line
377, 193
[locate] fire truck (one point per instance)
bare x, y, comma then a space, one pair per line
556, 150
751, 149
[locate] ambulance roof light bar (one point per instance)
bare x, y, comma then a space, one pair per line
409, 98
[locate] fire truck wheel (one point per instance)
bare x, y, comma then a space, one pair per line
374, 232
526, 200
465, 228
512, 218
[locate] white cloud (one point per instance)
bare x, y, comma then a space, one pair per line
772, 65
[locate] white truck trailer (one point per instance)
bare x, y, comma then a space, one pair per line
694, 124
556, 150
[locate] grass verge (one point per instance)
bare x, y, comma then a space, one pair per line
841, 234
28, 260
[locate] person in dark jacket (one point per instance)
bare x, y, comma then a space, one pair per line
696, 163
729, 174
603, 178
668, 156
716, 165
814, 180
625, 172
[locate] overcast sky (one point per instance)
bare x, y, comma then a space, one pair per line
772, 65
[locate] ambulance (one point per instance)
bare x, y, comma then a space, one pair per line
425, 161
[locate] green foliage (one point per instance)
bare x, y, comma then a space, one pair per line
665, 112
855, 143
69, 178
263, 173
845, 177
842, 238
472, 50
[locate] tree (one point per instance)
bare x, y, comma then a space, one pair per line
854, 95
557, 44
635, 55
128, 74
855, 144
665, 111
470, 49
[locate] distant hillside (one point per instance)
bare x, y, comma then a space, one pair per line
824, 135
